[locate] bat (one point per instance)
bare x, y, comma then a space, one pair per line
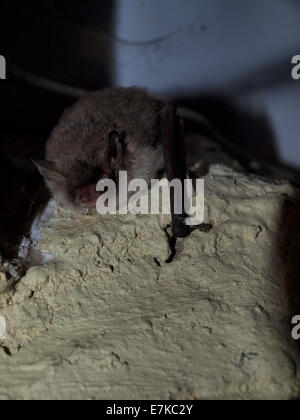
103, 133
113, 130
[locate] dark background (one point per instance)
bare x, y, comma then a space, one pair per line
41, 42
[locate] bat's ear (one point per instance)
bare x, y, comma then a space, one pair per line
116, 145
48, 170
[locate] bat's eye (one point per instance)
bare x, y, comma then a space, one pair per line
116, 143
113, 136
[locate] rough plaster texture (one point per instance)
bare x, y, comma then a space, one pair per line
103, 320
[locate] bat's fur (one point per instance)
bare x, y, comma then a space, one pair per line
78, 151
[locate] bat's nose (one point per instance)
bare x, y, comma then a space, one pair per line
87, 195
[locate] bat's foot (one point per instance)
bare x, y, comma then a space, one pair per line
205, 227
181, 230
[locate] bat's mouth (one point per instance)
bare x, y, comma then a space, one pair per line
88, 195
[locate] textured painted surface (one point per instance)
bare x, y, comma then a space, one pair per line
103, 320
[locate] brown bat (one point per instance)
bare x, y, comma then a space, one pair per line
114, 130
102, 134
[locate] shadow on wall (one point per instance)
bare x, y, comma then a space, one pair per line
245, 135
289, 250
249, 132
289, 263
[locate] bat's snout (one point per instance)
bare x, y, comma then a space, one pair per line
88, 195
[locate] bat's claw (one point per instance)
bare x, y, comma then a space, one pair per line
204, 227
180, 232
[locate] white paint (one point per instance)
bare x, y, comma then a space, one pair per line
33, 242
2, 328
